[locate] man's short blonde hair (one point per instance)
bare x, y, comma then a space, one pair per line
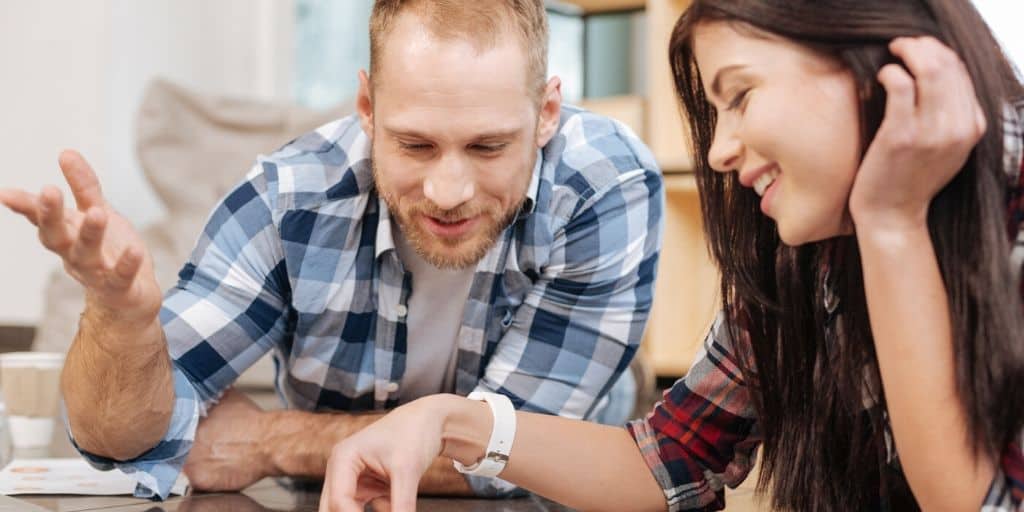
481, 22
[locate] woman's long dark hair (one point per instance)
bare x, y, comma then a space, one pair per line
823, 450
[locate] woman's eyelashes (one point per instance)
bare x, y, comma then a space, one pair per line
739, 101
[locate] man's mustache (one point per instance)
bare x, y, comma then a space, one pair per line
453, 215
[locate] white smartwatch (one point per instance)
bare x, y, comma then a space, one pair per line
500, 445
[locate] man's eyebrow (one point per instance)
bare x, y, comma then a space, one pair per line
406, 132
412, 133
716, 84
499, 134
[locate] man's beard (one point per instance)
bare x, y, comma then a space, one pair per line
447, 253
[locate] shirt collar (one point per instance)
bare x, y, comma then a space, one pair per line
385, 239
531, 191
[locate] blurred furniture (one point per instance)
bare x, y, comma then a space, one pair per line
16, 338
686, 294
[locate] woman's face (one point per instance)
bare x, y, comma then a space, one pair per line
788, 124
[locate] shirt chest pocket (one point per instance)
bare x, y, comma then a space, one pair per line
513, 289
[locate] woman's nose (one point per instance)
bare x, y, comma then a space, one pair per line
725, 152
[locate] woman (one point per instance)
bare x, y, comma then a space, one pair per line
854, 160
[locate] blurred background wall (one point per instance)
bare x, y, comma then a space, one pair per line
73, 73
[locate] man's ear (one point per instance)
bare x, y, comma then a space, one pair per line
364, 104
550, 111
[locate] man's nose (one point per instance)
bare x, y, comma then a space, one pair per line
450, 184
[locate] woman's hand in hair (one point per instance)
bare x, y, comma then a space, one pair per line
932, 122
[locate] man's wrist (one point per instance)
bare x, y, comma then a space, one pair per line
123, 318
122, 334
267, 453
298, 443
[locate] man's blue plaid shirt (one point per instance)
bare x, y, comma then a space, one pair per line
299, 260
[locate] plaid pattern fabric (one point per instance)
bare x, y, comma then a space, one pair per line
299, 260
703, 435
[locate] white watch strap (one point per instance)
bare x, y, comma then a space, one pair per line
502, 435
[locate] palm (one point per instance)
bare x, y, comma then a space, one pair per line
99, 247
120, 236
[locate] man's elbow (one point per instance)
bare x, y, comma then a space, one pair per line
118, 440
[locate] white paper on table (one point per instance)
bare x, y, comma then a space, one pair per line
68, 476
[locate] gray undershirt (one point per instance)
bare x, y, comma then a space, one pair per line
435, 310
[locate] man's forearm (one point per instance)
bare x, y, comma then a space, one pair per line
299, 444
117, 385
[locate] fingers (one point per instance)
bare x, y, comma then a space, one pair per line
369, 488
54, 232
339, 494
325, 493
127, 266
404, 485
945, 92
86, 253
85, 186
381, 505
21, 202
932, 65
901, 95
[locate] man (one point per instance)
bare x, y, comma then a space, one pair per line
463, 231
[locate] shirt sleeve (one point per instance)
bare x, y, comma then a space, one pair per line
227, 310
156, 471
703, 435
1007, 490
581, 323
1006, 494
232, 301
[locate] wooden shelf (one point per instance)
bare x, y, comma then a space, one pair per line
631, 110
686, 292
680, 182
668, 137
675, 163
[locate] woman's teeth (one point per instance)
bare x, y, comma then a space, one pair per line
764, 181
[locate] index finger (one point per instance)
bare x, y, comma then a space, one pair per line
21, 202
340, 485
85, 186
404, 486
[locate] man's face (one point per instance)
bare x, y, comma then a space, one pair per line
455, 132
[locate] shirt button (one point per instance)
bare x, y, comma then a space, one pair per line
401, 310
391, 387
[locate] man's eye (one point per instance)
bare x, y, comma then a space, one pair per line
488, 148
414, 147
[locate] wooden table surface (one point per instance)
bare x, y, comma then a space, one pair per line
270, 495
267, 495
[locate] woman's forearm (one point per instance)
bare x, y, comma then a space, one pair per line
910, 320
580, 464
